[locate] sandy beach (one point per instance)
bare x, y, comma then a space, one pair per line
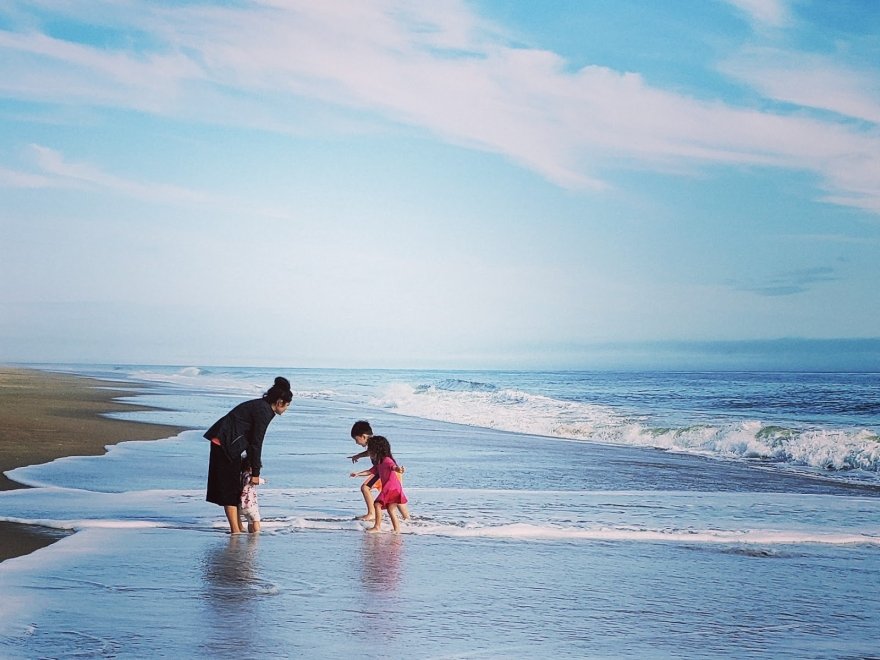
48, 416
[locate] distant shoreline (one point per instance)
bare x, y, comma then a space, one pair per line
48, 416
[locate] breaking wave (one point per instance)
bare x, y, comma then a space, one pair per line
482, 405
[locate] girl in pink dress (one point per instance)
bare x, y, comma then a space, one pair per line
392, 498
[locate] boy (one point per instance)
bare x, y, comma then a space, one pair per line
361, 432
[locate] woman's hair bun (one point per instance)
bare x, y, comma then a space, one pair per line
279, 391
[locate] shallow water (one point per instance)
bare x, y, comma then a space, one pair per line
519, 544
139, 593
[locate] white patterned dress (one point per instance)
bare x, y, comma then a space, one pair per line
249, 506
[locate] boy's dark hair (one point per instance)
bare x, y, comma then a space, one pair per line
361, 427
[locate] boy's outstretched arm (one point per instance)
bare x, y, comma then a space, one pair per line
363, 454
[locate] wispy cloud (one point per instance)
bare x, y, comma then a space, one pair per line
38, 67
789, 283
10, 178
51, 170
771, 13
63, 173
809, 80
440, 67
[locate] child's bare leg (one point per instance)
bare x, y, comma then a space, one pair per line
392, 513
233, 519
404, 511
253, 526
377, 525
368, 500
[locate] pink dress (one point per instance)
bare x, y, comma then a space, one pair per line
392, 488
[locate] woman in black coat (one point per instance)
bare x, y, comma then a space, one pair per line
241, 430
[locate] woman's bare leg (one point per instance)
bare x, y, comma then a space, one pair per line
234, 520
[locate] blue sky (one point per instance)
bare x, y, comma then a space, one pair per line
570, 184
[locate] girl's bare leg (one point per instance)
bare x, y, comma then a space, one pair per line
377, 526
368, 500
254, 527
392, 513
404, 511
234, 520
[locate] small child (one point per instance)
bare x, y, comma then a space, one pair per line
392, 496
249, 507
361, 432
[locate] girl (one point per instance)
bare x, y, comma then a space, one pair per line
392, 496
249, 505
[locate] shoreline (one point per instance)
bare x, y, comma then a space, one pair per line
49, 415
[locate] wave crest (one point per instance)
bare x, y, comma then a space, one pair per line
840, 450
457, 385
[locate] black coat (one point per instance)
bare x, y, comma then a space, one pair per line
243, 429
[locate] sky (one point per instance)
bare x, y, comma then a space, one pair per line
447, 184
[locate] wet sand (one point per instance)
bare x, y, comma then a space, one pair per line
47, 416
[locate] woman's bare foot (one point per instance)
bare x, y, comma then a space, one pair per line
373, 530
366, 516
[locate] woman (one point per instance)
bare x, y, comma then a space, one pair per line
241, 429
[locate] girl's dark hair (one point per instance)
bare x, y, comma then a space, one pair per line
280, 390
379, 448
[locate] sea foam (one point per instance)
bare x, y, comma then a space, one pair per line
474, 404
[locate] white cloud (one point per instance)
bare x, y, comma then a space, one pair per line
439, 67
17, 179
809, 80
56, 172
36, 66
66, 173
771, 13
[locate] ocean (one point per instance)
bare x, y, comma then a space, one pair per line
569, 514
